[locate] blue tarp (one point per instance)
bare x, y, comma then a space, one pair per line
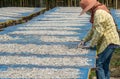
31, 39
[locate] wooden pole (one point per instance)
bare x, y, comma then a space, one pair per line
107, 3
27, 3
9, 2
3, 3
71, 3
20, 3
47, 6
34, 3
68, 3
30, 3
24, 3
116, 4
75, 3
0, 3
61, 2
55, 3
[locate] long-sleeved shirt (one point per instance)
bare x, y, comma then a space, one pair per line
104, 31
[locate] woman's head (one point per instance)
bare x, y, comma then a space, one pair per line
86, 5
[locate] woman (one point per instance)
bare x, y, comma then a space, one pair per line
103, 35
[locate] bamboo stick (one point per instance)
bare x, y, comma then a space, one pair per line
116, 4
75, 3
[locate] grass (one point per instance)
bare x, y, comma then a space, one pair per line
114, 65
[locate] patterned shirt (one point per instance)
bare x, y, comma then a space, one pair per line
104, 31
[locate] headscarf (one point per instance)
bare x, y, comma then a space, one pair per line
92, 5
97, 6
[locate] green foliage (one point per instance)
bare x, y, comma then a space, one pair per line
115, 61
115, 64
92, 74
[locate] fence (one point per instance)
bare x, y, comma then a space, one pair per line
22, 3
39, 3
52, 3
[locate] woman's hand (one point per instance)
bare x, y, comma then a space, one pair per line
81, 44
86, 47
